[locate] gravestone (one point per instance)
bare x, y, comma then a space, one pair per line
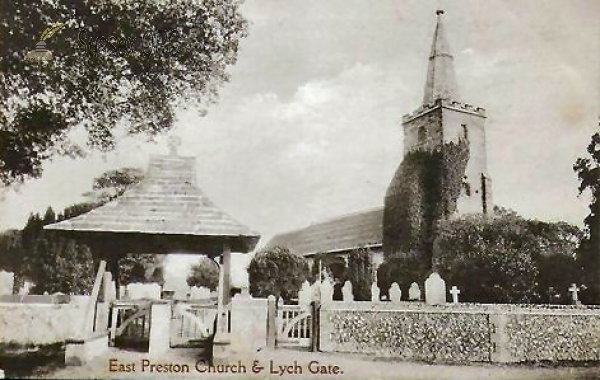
199, 293
455, 292
347, 292
7, 280
574, 293
374, 292
395, 292
326, 290
435, 290
305, 294
414, 293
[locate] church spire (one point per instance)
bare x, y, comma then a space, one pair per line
441, 79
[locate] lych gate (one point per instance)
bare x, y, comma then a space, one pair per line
166, 213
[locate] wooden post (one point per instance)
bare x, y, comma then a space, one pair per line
89, 311
226, 267
271, 323
314, 338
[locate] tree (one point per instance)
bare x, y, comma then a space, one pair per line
205, 273
277, 271
53, 264
113, 183
588, 172
143, 268
360, 273
114, 62
505, 258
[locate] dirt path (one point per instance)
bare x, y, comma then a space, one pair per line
291, 364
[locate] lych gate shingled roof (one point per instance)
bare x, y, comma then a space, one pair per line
341, 234
165, 202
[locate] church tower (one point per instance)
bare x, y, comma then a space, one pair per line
444, 169
443, 118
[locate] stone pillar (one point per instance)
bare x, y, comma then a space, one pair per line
160, 323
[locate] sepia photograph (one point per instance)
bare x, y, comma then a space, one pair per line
256, 189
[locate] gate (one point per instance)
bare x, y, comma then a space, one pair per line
192, 325
295, 326
130, 324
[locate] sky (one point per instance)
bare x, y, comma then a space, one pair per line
309, 126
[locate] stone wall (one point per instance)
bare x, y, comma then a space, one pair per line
461, 333
39, 323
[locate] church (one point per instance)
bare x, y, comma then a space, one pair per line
441, 119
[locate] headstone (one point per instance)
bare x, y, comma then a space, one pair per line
24, 290
435, 290
414, 293
375, 292
347, 292
199, 293
326, 290
305, 294
7, 280
574, 292
455, 292
395, 292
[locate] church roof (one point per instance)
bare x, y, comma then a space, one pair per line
441, 78
340, 234
166, 202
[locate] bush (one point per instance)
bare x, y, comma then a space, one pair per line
205, 273
504, 258
360, 274
277, 271
402, 269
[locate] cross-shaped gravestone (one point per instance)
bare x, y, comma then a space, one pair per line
174, 143
574, 289
455, 292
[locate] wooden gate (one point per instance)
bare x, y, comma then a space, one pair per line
295, 326
192, 325
130, 324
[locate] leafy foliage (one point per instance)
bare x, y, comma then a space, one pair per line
204, 273
114, 61
277, 271
425, 189
333, 265
588, 172
360, 273
144, 268
505, 258
53, 264
401, 269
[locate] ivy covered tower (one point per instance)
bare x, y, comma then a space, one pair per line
444, 171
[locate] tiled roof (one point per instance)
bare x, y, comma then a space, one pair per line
339, 234
165, 202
